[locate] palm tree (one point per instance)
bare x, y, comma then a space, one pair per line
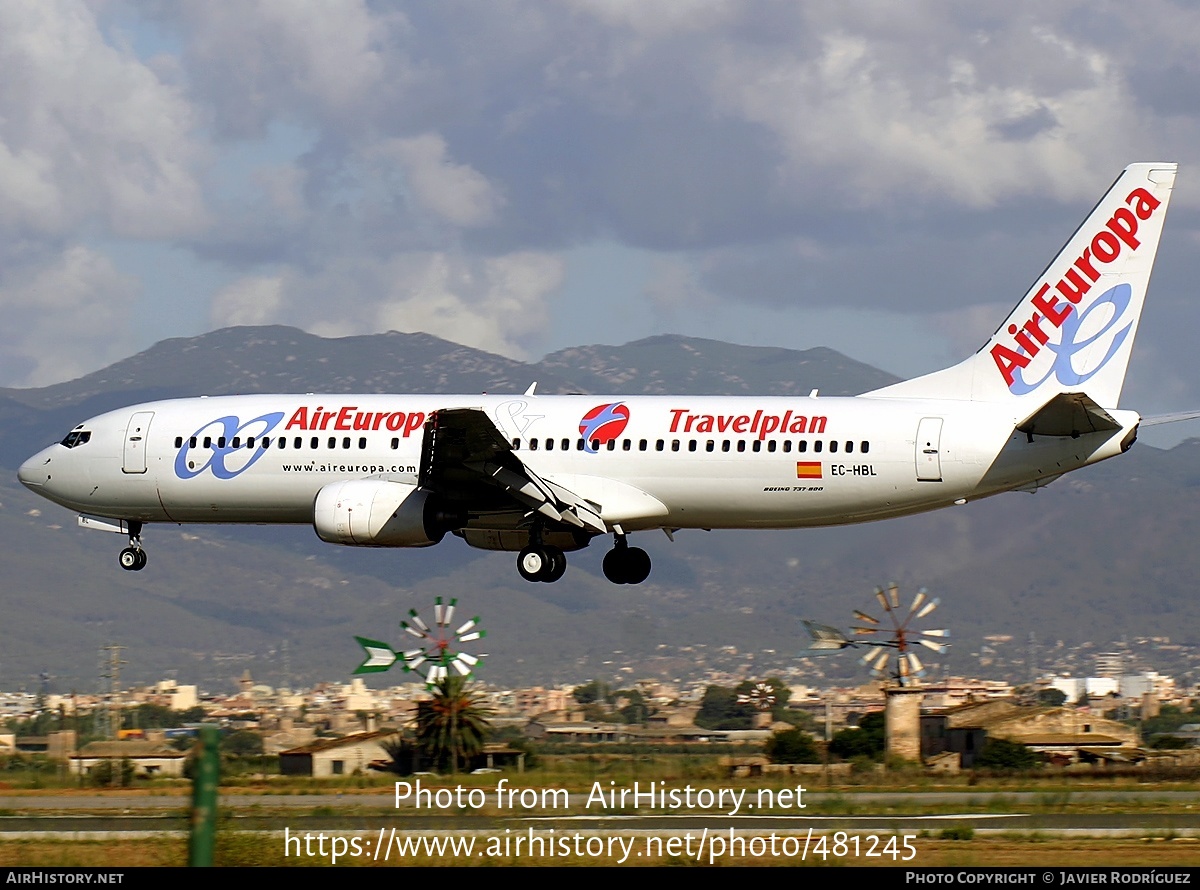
451, 727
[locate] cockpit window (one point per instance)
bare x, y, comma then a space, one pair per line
77, 437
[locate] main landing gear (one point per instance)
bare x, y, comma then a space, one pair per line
626, 565
622, 565
133, 557
539, 562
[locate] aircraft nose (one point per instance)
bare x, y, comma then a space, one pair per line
35, 471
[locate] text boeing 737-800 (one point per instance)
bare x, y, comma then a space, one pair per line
545, 474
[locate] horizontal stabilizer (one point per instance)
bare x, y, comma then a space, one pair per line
1170, 418
1068, 414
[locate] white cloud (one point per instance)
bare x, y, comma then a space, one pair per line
861, 119
499, 304
253, 62
658, 19
252, 300
88, 133
454, 192
64, 316
496, 304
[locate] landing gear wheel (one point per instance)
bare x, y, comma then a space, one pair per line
533, 562
541, 564
131, 560
557, 566
614, 565
626, 565
637, 565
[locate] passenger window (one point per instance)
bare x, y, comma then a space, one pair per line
362, 442
817, 445
250, 442
691, 444
595, 444
178, 442
626, 444
208, 441
220, 441
802, 445
192, 442
314, 442
396, 442
787, 445
549, 444
849, 447
533, 444
741, 445
832, 447
566, 444
612, 444
710, 445
237, 442
660, 445
674, 444
642, 444
579, 445
757, 446
865, 446
771, 446
724, 444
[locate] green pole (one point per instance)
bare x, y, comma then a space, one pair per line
204, 799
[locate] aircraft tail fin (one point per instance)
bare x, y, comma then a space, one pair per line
1074, 329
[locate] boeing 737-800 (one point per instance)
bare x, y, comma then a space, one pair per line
545, 474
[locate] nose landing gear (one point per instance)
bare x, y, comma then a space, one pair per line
133, 557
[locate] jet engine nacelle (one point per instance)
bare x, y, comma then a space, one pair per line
377, 513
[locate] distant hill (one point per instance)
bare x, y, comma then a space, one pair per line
1103, 554
283, 359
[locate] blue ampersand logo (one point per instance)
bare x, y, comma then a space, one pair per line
224, 460
1062, 367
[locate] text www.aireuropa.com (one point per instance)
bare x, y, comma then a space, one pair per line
700, 846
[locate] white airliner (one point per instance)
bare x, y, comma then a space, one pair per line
545, 474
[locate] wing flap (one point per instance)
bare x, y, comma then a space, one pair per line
463, 448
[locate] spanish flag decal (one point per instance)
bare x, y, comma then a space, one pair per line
808, 469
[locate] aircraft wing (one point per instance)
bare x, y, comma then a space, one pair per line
466, 458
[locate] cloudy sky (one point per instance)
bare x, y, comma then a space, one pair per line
883, 178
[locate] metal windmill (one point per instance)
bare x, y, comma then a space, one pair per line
891, 641
440, 649
761, 697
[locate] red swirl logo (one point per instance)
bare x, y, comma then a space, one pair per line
603, 424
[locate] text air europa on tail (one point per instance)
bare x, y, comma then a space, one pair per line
1059, 311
